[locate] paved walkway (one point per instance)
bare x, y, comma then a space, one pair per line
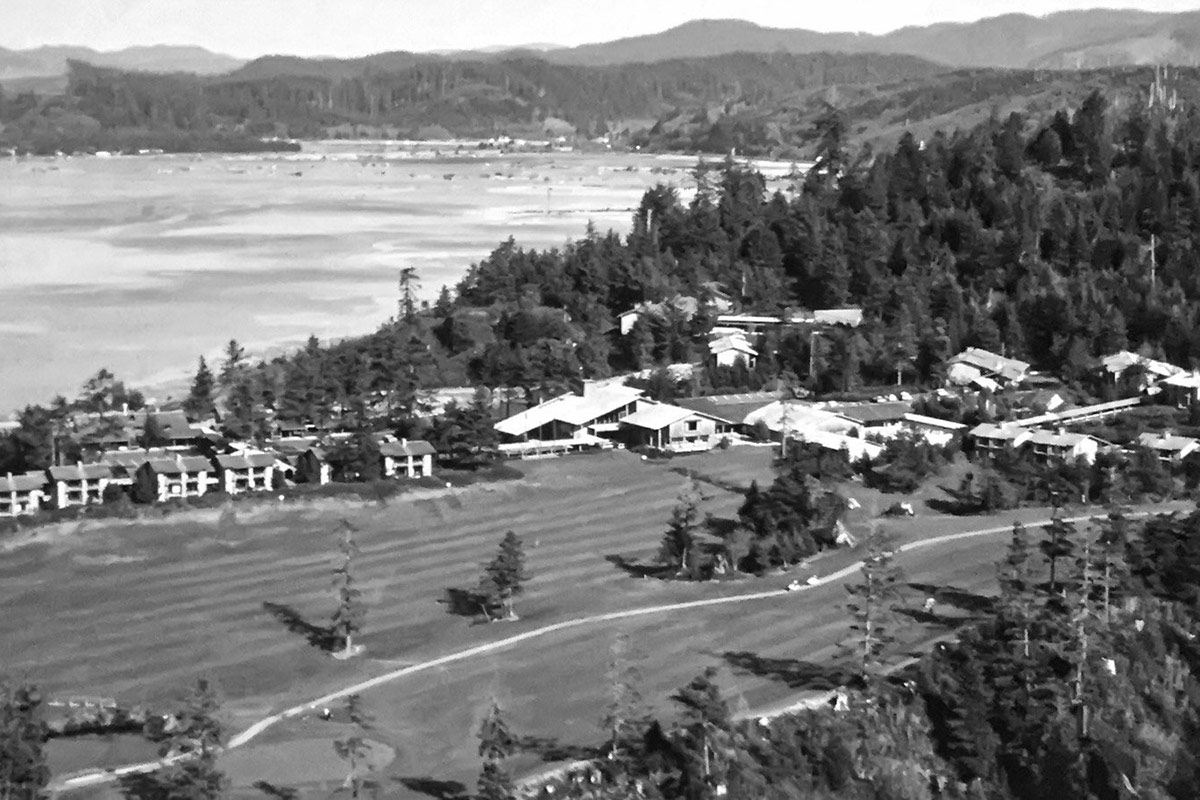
98, 777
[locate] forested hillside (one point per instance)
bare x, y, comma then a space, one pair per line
398, 94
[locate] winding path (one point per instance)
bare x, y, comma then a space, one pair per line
98, 777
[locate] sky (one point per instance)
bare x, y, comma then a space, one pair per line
249, 28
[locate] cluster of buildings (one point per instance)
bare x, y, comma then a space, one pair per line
189, 464
604, 415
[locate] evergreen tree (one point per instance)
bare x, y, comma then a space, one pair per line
496, 746
348, 618
24, 772
625, 716
199, 403
872, 606
504, 577
1057, 545
679, 539
152, 434
234, 364
353, 748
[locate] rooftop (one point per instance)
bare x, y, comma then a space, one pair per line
27, 482
572, 409
867, 413
1059, 438
658, 416
987, 430
407, 447
1167, 441
1010, 368
80, 472
246, 460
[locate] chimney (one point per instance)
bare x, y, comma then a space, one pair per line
404, 442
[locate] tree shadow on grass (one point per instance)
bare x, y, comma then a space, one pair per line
971, 602
638, 569
440, 790
796, 673
321, 637
470, 603
550, 749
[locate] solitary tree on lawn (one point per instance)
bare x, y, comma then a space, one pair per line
353, 749
504, 577
496, 745
681, 531
348, 618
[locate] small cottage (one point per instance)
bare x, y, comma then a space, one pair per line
21, 494
669, 427
1171, 449
1060, 446
728, 350
991, 440
78, 484
407, 458
246, 472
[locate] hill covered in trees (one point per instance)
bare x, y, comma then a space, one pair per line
759, 104
400, 94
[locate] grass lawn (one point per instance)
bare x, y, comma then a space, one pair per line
138, 610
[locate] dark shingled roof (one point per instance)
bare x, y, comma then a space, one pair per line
412, 447
867, 413
80, 472
246, 460
730, 408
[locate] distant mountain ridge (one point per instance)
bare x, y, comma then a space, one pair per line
1065, 40
51, 61
1085, 39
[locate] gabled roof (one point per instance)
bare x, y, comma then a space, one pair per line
80, 472
1060, 438
727, 343
1009, 368
177, 466
572, 409
174, 425
409, 447
729, 408
866, 413
246, 460
1122, 360
986, 430
1167, 442
133, 458
657, 416
26, 482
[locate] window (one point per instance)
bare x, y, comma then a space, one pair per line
693, 424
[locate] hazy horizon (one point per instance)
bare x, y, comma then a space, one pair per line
249, 28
